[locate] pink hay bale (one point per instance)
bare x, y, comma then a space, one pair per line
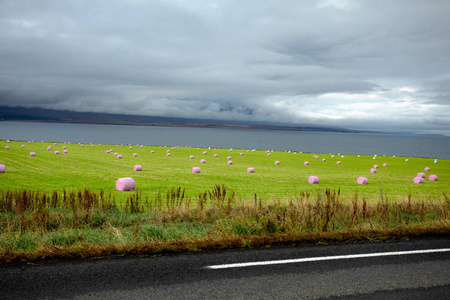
433, 178
152, 151
306, 163
385, 165
277, 162
196, 170
229, 157
373, 170
268, 154
229, 162
362, 180
2, 168
427, 169
56, 152
138, 168
6, 147
241, 154
23, 146
119, 156
81, 145
49, 148
64, 147
168, 151
313, 179
107, 151
215, 155
32, 153
250, 170
338, 162
125, 184
65, 151
375, 166
55, 144
421, 175
134, 154
248, 150
230, 150
205, 152
418, 179
191, 157
323, 159
202, 161
168, 154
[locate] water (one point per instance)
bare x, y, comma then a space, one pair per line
314, 142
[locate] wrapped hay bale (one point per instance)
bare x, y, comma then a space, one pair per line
2, 168
250, 170
138, 168
125, 184
229, 162
56, 152
432, 178
323, 159
420, 175
134, 154
306, 163
215, 155
66, 151
418, 179
384, 165
32, 153
6, 147
375, 166
338, 162
277, 162
427, 169
313, 179
196, 170
119, 156
362, 180
191, 157
202, 161
373, 170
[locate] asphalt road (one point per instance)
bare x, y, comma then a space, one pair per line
187, 276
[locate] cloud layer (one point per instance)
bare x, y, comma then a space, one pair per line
370, 65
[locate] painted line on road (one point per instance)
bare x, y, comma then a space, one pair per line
323, 258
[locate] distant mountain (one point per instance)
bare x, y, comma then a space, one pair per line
35, 114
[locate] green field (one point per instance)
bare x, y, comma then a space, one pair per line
89, 166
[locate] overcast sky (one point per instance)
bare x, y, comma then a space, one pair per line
371, 65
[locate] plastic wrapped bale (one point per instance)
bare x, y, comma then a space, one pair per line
191, 157
375, 166
56, 152
323, 159
205, 152
313, 179
138, 168
23, 146
268, 154
277, 162
418, 179
152, 151
241, 153
32, 153
229, 162
373, 170
338, 162
362, 180
2, 168
66, 151
196, 170
6, 147
134, 154
427, 169
432, 178
250, 170
306, 163
49, 148
202, 161
215, 155
125, 184
385, 165
229, 157
421, 175
119, 156
168, 154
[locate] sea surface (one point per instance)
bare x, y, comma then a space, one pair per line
299, 141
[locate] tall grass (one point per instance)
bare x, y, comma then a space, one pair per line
82, 223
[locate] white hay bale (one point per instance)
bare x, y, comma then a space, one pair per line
196, 170
433, 178
250, 170
362, 180
418, 180
2, 168
32, 153
313, 179
125, 184
138, 168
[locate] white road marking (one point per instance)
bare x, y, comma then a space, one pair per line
309, 259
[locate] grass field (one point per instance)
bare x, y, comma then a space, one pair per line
89, 166
65, 205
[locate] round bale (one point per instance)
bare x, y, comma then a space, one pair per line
432, 178
362, 180
196, 170
427, 169
229, 162
306, 163
2, 168
277, 162
373, 170
202, 161
313, 179
138, 168
32, 153
338, 162
418, 179
420, 175
250, 170
125, 184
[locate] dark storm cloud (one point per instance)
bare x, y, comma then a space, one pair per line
358, 64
